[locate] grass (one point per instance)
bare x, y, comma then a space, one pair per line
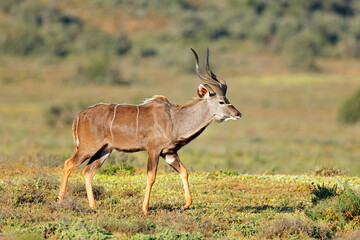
224, 205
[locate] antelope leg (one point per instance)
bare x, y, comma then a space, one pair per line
174, 161
151, 175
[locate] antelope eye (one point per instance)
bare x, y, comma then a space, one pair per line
221, 102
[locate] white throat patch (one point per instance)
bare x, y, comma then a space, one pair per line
231, 118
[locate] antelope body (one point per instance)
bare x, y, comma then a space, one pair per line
156, 126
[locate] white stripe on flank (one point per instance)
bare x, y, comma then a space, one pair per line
76, 132
112, 121
137, 119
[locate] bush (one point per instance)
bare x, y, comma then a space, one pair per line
264, 29
21, 40
340, 210
38, 190
329, 172
285, 227
115, 165
122, 44
130, 227
301, 51
322, 192
66, 230
349, 111
117, 168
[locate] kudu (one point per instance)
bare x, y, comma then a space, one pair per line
156, 126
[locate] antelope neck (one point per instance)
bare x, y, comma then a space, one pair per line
191, 119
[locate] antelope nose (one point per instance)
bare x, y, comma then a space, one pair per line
239, 115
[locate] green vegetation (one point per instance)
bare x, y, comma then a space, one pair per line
301, 31
339, 209
322, 192
225, 206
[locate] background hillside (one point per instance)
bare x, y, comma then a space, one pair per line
289, 66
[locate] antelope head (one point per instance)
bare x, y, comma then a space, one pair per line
214, 91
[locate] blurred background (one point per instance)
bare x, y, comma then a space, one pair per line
292, 69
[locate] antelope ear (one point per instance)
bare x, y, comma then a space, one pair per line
203, 92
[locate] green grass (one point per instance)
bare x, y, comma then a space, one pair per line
224, 206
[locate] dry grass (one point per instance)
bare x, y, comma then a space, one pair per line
241, 206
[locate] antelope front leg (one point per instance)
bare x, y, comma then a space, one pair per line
174, 161
151, 175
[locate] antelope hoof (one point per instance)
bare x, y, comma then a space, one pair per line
146, 211
182, 209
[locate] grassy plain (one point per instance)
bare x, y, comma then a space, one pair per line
226, 205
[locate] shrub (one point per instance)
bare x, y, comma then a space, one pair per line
349, 205
342, 209
33, 13
122, 44
285, 227
21, 40
349, 111
322, 192
301, 51
240, 27
264, 29
229, 173
117, 168
148, 52
130, 227
329, 172
36, 190
66, 230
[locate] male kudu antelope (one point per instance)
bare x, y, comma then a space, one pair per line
156, 126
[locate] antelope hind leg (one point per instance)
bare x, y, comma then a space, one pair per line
174, 161
151, 175
69, 165
89, 171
